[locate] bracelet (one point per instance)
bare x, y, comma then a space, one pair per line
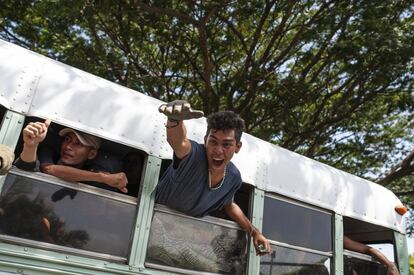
177, 122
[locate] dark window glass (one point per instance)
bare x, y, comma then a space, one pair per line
42, 211
287, 261
241, 198
297, 225
188, 243
354, 266
2, 112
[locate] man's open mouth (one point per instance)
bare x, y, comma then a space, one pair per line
218, 162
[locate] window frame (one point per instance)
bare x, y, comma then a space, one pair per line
96, 191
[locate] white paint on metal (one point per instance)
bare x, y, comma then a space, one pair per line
20, 71
83, 101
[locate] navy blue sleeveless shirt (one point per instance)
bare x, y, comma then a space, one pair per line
185, 188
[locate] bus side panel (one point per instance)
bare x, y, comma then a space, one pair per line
402, 253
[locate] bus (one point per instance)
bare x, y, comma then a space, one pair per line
302, 206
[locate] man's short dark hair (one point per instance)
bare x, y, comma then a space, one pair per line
226, 121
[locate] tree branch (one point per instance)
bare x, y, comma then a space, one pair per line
165, 11
404, 168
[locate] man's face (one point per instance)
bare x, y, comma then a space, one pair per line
74, 153
220, 148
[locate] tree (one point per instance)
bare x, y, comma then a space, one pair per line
331, 80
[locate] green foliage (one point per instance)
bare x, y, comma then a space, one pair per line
328, 79
411, 261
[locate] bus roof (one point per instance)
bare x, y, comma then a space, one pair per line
34, 85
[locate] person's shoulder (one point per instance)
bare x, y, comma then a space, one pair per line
231, 167
196, 147
233, 170
195, 143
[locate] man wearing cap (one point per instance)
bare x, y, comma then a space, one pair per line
76, 149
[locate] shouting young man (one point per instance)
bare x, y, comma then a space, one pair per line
202, 177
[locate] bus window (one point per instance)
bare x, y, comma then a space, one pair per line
180, 243
300, 237
355, 263
41, 211
133, 163
2, 112
379, 237
111, 158
164, 165
241, 198
297, 225
285, 260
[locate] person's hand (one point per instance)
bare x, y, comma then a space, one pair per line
259, 239
179, 110
117, 180
392, 269
35, 132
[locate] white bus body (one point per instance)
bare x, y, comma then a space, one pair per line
32, 85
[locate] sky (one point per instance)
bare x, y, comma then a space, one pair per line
387, 250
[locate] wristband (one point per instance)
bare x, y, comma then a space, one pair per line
177, 122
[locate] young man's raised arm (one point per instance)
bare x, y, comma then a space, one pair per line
177, 138
177, 111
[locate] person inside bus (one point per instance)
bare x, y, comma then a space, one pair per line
201, 177
365, 249
6, 159
72, 162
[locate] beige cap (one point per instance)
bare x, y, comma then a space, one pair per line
85, 139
